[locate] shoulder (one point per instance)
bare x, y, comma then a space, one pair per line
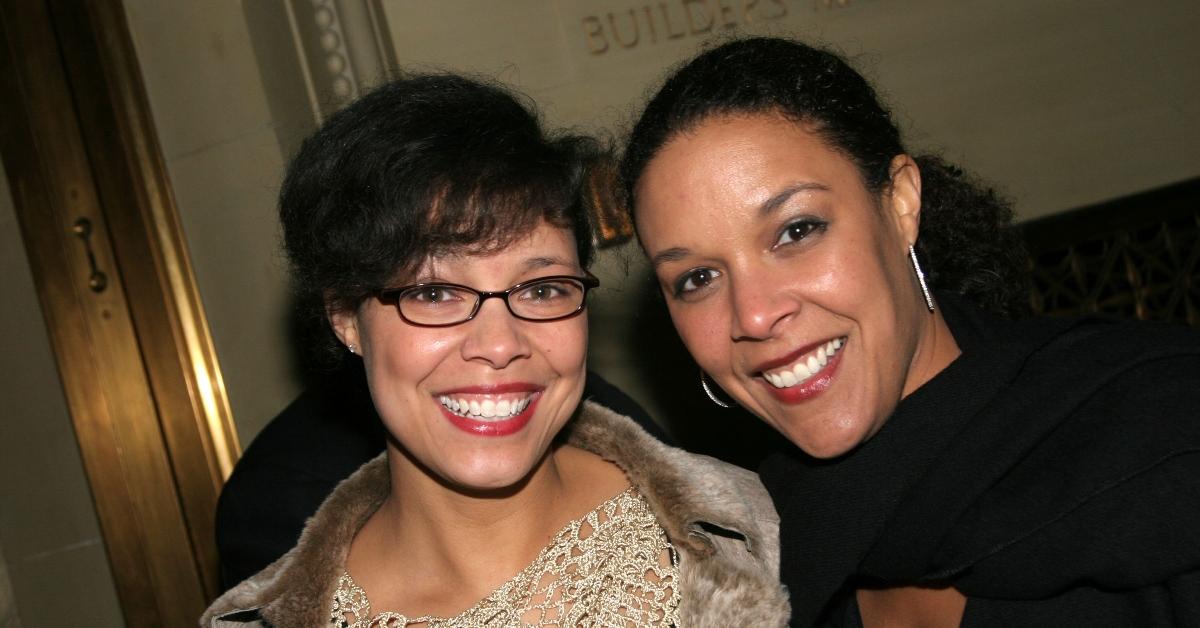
296, 588
1127, 393
693, 488
717, 516
1110, 346
1096, 449
1093, 379
1080, 468
326, 433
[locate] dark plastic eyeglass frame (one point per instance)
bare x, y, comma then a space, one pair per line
391, 297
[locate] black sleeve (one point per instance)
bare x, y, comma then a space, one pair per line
323, 436
604, 393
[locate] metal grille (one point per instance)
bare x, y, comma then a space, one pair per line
1134, 257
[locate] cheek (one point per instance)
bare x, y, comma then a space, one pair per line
406, 356
849, 278
564, 344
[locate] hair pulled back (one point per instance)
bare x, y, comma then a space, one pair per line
966, 239
423, 166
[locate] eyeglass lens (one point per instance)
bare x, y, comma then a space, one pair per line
441, 304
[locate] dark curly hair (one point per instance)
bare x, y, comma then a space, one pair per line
966, 239
423, 166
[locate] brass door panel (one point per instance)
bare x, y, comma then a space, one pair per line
117, 293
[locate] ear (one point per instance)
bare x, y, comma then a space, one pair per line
903, 198
345, 326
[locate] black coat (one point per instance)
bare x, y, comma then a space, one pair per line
1051, 474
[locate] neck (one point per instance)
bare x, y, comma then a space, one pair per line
936, 349
468, 531
432, 548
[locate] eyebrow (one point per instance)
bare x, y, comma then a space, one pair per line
769, 206
672, 254
544, 261
777, 201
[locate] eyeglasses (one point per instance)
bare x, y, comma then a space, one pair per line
444, 304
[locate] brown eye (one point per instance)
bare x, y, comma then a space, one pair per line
433, 297
546, 292
693, 280
432, 294
797, 231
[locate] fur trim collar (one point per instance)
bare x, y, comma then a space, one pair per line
716, 515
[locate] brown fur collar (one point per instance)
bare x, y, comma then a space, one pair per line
728, 576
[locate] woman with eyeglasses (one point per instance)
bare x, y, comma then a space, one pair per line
950, 466
444, 236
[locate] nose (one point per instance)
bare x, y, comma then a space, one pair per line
758, 305
495, 336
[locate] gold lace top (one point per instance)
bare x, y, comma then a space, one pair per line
614, 567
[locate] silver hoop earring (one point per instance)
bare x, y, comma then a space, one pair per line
351, 348
708, 391
912, 255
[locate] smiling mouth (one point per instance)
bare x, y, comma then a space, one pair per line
486, 408
806, 366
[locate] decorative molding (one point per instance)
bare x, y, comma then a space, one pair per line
342, 48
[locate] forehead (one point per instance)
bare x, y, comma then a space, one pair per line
544, 246
731, 166
746, 141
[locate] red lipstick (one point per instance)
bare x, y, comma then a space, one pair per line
491, 389
811, 387
502, 427
789, 358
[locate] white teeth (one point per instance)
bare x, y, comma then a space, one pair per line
807, 367
813, 365
485, 409
802, 371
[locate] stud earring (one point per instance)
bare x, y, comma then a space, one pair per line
708, 391
351, 348
912, 255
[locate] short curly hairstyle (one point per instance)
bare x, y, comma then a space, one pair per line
966, 239
423, 166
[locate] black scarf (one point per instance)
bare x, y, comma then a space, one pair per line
1008, 474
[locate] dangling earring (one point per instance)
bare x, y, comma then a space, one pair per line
912, 255
351, 348
708, 391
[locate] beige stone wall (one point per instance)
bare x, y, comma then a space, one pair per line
223, 153
1060, 103
53, 568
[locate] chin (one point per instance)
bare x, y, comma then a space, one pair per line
826, 443
827, 451
491, 475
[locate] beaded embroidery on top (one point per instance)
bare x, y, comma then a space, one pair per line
612, 568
